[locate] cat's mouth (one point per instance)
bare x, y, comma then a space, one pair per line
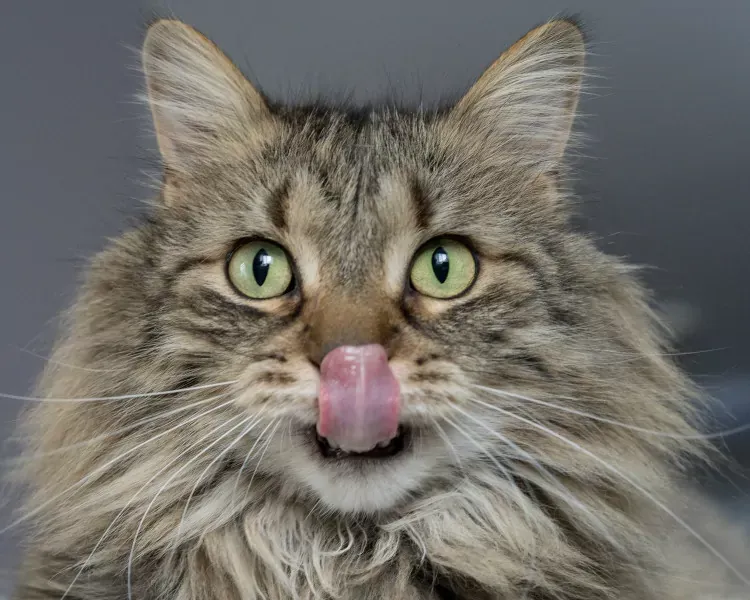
329, 449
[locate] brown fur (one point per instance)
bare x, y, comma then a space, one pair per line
484, 504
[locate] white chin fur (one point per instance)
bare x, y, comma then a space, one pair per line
360, 495
375, 489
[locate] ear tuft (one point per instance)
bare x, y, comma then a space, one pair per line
202, 105
526, 100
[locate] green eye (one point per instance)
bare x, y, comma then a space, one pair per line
443, 268
260, 270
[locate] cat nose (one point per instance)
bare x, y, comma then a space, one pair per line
346, 323
318, 352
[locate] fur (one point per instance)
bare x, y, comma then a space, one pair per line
179, 463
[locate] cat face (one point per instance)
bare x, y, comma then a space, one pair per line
350, 242
356, 212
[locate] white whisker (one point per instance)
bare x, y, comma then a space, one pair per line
260, 458
247, 458
580, 413
104, 436
53, 361
158, 493
562, 492
221, 455
444, 436
526, 511
205, 386
103, 468
482, 449
135, 496
619, 473
289, 430
636, 356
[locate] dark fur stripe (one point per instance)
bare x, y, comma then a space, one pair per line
422, 207
278, 204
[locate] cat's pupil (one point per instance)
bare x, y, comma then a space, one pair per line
261, 265
440, 264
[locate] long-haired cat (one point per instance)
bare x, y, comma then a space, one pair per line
364, 354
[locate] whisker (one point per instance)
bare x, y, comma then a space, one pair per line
221, 455
121, 397
580, 413
482, 449
637, 355
444, 436
260, 458
103, 468
125, 429
158, 493
135, 496
247, 457
289, 430
562, 492
619, 473
511, 481
53, 361
627, 356
513, 485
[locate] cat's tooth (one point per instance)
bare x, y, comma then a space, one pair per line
358, 450
383, 444
333, 444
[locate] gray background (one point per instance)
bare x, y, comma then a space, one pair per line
666, 181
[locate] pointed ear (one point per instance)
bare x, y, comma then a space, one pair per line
525, 101
203, 108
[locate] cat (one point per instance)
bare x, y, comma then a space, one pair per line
359, 354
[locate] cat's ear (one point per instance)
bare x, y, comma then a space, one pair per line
525, 102
203, 108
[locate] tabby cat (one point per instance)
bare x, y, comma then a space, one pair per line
363, 354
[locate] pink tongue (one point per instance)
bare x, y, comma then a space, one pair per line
359, 398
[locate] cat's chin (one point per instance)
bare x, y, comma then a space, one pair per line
368, 482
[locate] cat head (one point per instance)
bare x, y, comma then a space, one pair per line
312, 237
397, 297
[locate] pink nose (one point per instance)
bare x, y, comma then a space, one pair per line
359, 400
